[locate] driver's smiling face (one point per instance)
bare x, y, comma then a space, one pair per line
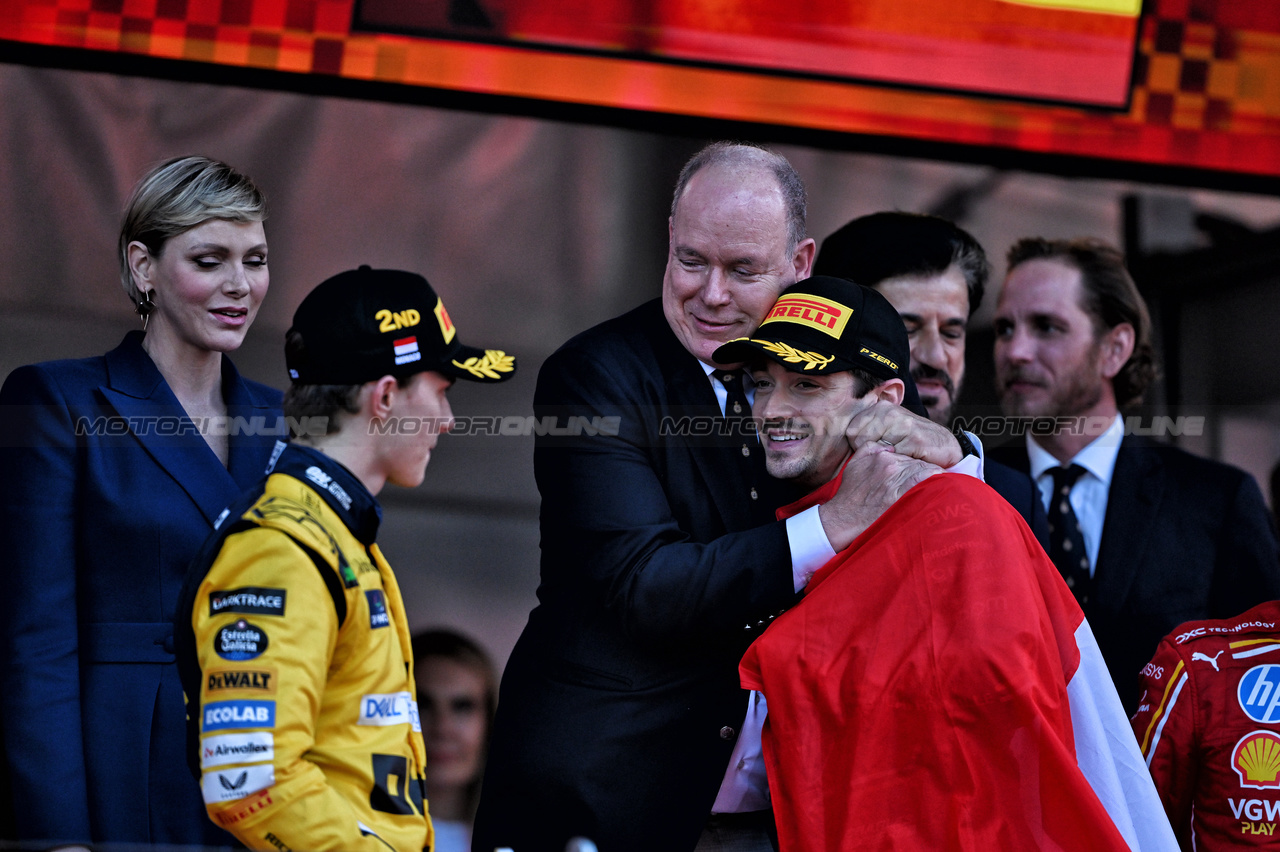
803, 420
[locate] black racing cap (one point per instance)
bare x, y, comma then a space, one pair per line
363, 324
828, 325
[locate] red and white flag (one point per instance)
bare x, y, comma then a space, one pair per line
938, 688
407, 350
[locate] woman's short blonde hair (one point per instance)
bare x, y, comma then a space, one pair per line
176, 196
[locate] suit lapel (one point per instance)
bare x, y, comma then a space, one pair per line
250, 449
139, 395
718, 460
1137, 486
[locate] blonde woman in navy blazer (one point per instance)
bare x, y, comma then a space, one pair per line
114, 470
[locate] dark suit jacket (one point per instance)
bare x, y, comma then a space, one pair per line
1184, 538
1019, 491
620, 704
108, 491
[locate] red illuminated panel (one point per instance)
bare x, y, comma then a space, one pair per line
982, 46
1205, 92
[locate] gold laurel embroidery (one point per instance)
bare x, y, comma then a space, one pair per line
794, 356
494, 361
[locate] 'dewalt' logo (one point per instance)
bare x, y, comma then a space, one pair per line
252, 680
442, 317
824, 315
240, 641
1256, 759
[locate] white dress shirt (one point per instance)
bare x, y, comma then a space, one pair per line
1089, 493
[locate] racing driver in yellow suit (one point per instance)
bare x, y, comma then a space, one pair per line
292, 640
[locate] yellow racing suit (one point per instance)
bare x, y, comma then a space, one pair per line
295, 660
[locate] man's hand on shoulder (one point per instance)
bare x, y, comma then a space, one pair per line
873, 481
892, 426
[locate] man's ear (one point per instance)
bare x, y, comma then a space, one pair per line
891, 391
803, 260
1116, 348
382, 397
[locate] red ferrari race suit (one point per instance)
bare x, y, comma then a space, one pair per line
1209, 727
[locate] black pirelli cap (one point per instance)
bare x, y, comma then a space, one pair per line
827, 325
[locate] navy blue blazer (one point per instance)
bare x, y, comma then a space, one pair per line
1019, 491
108, 492
621, 702
1184, 538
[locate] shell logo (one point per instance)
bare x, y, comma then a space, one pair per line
1256, 759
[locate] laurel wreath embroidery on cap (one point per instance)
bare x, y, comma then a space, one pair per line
794, 356
494, 361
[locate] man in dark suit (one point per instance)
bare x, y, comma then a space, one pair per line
933, 272
620, 706
1148, 536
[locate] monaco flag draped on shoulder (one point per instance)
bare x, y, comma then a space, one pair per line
938, 688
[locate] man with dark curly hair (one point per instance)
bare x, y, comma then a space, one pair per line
1146, 535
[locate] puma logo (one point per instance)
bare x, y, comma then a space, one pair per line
1213, 661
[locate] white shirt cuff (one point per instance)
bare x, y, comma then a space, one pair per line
981, 471
810, 549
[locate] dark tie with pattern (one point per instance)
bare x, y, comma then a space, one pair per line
737, 411
1066, 543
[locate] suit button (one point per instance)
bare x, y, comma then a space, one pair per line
727, 733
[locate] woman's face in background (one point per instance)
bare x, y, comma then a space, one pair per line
451, 702
209, 283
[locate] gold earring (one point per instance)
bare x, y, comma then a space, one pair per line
145, 306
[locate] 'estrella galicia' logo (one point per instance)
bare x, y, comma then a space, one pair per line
377, 609
240, 641
1259, 693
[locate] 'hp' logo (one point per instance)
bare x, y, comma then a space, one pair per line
1259, 693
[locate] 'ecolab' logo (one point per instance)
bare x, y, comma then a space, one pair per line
239, 714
